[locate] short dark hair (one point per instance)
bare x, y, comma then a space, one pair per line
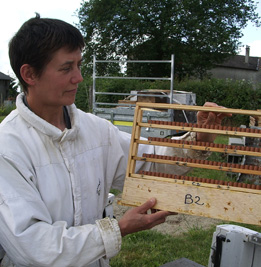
36, 42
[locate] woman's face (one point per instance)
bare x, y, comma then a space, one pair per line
58, 83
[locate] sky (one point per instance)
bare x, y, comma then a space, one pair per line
15, 12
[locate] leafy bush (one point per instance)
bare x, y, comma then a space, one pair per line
5, 110
227, 93
115, 86
83, 95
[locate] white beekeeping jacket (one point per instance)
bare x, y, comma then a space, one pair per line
54, 185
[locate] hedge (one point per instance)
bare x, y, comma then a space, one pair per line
227, 93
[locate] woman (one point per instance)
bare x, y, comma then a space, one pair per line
58, 163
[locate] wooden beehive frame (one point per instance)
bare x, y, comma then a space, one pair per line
191, 195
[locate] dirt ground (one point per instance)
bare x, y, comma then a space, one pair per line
175, 224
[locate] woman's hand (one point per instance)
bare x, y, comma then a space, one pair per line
138, 219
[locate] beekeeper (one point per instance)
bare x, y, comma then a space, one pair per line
58, 163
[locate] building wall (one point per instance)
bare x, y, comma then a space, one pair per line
236, 74
4, 85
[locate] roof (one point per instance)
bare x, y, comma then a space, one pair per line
4, 77
238, 62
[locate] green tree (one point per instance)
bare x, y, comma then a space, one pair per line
199, 32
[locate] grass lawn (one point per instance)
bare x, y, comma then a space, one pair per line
213, 174
153, 249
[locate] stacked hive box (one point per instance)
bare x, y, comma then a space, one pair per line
199, 196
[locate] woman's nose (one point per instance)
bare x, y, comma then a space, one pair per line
77, 78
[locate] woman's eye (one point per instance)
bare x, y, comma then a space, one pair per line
66, 69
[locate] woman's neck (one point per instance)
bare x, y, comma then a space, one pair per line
52, 114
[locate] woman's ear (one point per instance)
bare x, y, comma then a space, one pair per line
27, 73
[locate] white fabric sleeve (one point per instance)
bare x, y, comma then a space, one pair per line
111, 235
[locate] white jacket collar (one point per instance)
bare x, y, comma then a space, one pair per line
44, 126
